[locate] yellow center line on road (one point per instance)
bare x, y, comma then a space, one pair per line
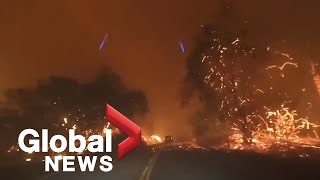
147, 171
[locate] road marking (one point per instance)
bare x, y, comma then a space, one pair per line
147, 171
151, 167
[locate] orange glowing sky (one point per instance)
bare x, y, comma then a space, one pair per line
41, 38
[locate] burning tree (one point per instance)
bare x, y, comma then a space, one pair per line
257, 92
231, 74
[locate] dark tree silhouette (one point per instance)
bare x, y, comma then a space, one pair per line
58, 99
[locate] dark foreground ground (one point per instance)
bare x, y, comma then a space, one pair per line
182, 165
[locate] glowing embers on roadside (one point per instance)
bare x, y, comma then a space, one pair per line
280, 130
252, 88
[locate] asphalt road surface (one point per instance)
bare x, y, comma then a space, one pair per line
183, 164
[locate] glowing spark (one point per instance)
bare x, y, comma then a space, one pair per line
182, 47
235, 41
28, 160
60, 157
284, 54
260, 91
104, 41
65, 120
283, 66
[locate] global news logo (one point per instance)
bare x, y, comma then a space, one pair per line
94, 144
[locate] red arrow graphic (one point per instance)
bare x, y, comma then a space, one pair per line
126, 126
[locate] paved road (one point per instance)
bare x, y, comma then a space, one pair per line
191, 164
221, 166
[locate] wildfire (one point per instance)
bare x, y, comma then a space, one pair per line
153, 139
156, 138
245, 81
286, 126
280, 129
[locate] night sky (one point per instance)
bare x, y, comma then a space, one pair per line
43, 38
